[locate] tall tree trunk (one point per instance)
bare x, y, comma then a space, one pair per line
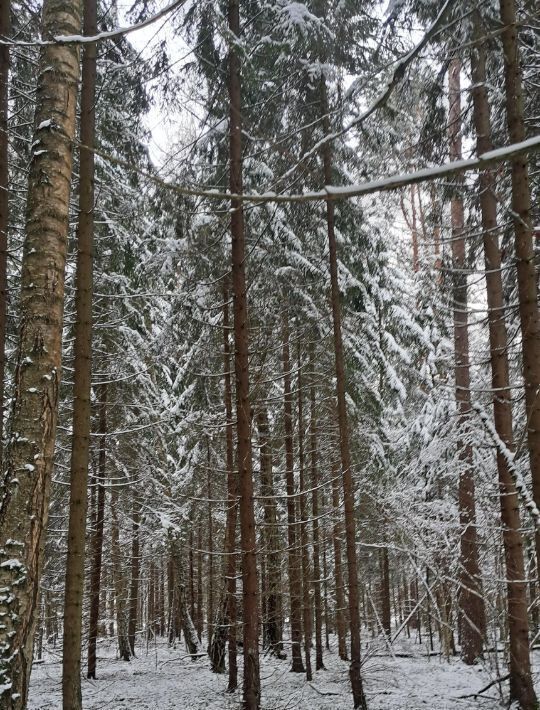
199, 622
248, 539
135, 574
319, 664
273, 625
304, 538
472, 618
521, 687
82, 376
293, 558
97, 546
359, 699
386, 619
338, 570
27, 476
5, 31
119, 581
523, 233
210, 567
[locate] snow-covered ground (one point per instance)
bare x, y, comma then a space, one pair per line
161, 678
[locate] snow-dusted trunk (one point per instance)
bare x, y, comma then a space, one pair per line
521, 688
97, 536
304, 537
293, 557
314, 477
5, 29
523, 240
248, 538
135, 573
472, 622
272, 620
27, 475
80, 442
343, 424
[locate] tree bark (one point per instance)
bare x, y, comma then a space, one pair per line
386, 618
293, 557
521, 687
82, 375
119, 581
248, 541
359, 699
472, 620
27, 476
135, 574
319, 663
95, 576
523, 239
5, 31
338, 570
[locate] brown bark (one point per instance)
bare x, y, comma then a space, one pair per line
27, 477
272, 621
338, 570
120, 586
524, 248
293, 557
307, 616
97, 542
359, 699
210, 566
385, 593
248, 541
135, 574
82, 375
319, 663
521, 688
471, 603
5, 30
199, 618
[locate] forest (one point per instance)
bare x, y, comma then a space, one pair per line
269, 354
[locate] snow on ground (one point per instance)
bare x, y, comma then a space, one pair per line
162, 678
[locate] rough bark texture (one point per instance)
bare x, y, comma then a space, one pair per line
5, 30
521, 687
97, 537
472, 622
248, 541
135, 574
26, 480
523, 233
293, 558
359, 699
80, 442
119, 580
341, 626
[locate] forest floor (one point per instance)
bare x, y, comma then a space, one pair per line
163, 678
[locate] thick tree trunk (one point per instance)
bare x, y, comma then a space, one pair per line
248, 539
319, 664
82, 375
359, 699
304, 538
5, 31
523, 233
521, 687
272, 620
135, 574
472, 618
97, 546
293, 558
27, 476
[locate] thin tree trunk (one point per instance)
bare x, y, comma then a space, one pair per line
338, 570
210, 566
248, 540
273, 626
359, 699
82, 375
27, 477
523, 233
5, 31
385, 593
293, 558
135, 574
304, 539
119, 581
97, 546
521, 687
199, 621
319, 663
472, 618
